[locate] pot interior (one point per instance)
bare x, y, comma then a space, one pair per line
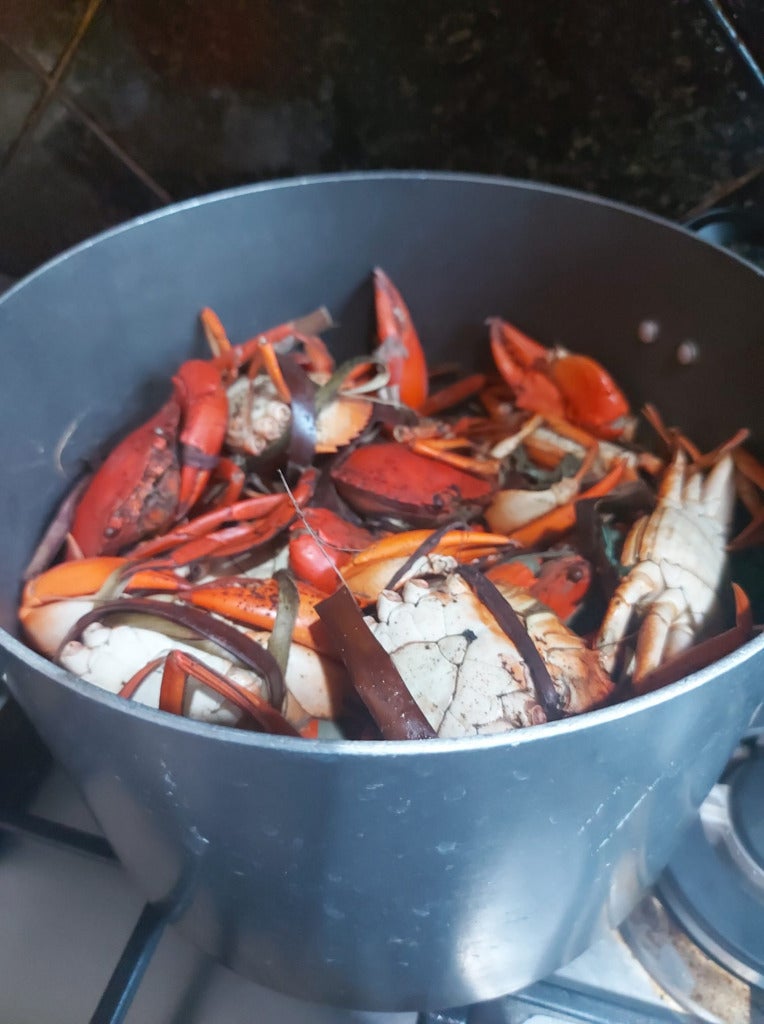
90, 341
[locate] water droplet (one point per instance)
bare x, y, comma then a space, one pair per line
520, 775
648, 331
333, 912
457, 793
400, 808
687, 353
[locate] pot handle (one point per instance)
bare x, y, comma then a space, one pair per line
729, 225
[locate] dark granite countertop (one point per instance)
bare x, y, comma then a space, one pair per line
107, 110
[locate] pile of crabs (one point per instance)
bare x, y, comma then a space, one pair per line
392, 550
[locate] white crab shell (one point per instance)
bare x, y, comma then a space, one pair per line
464, 672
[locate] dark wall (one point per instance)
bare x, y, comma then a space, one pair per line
109, 108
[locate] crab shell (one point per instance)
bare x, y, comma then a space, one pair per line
465, 673
389, 479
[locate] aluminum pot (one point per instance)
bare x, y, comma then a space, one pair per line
385, 876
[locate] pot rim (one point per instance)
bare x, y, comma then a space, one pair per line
377, 748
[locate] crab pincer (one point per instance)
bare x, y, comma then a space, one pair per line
399, 346
555, 382
158, 471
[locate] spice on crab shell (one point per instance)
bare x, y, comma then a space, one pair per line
463, 670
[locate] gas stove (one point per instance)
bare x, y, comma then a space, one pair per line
77, 942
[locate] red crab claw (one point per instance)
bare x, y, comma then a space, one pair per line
523, 364
321, 542
592, 398
159, 470
399, 345
199, 389
557, 383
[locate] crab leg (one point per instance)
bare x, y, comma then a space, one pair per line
241, 538
442, 448
512, 508
453, 394
750, 477
199, 526
179, 667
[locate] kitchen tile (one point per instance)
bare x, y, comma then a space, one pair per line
649, 107
40, 28
205, 96
19, 91
61, 186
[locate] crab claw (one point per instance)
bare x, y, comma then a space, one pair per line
557, 383
399, 345
523, 364
204, 402
591, 397
320, 542
53, 601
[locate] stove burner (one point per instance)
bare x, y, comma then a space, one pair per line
714, 885
681, 969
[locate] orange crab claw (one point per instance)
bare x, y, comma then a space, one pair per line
200, 390
158, 471
86, 577
53, 601
114, 511
522, 362
255, 602
399, 345
592, 398
69, 579
316, 560
370, 571
560, 384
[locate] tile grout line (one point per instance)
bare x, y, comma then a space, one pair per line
52, 81
114, 147
92, 125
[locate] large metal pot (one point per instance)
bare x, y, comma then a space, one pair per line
378, 875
